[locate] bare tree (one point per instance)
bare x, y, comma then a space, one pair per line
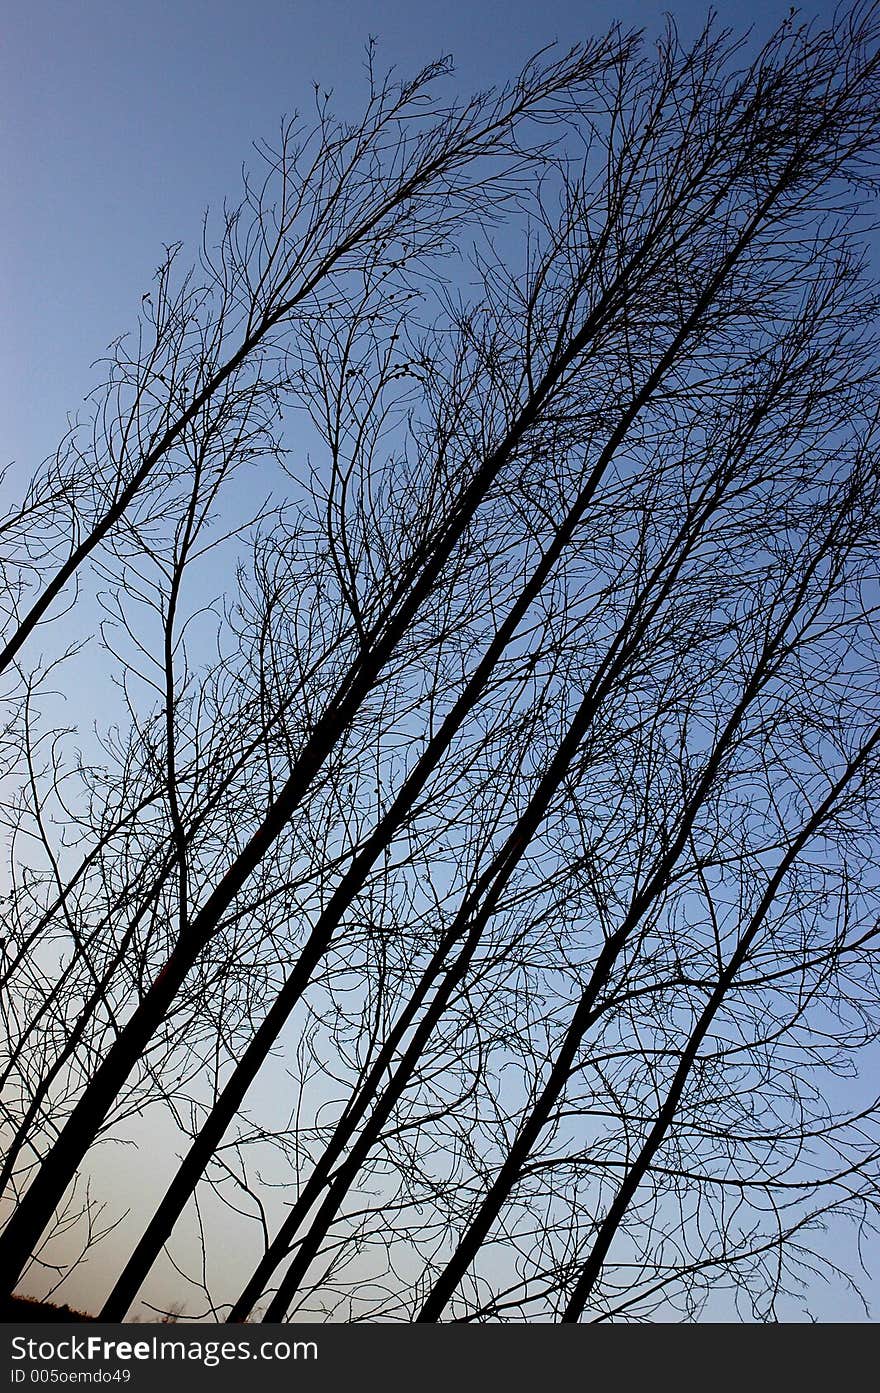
367, 192
514, 744
223, 1113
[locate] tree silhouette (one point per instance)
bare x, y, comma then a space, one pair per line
524, 795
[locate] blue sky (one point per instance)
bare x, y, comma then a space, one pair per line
120, 122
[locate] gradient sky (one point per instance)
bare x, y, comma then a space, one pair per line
120, 120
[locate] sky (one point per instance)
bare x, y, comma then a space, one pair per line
121, 122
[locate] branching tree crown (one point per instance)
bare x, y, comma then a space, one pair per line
484, 539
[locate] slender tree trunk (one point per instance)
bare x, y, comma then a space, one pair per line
511, 1169
234, 1091
592, 1268
469, 924
60, 1165
243, 1075
82, 1126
